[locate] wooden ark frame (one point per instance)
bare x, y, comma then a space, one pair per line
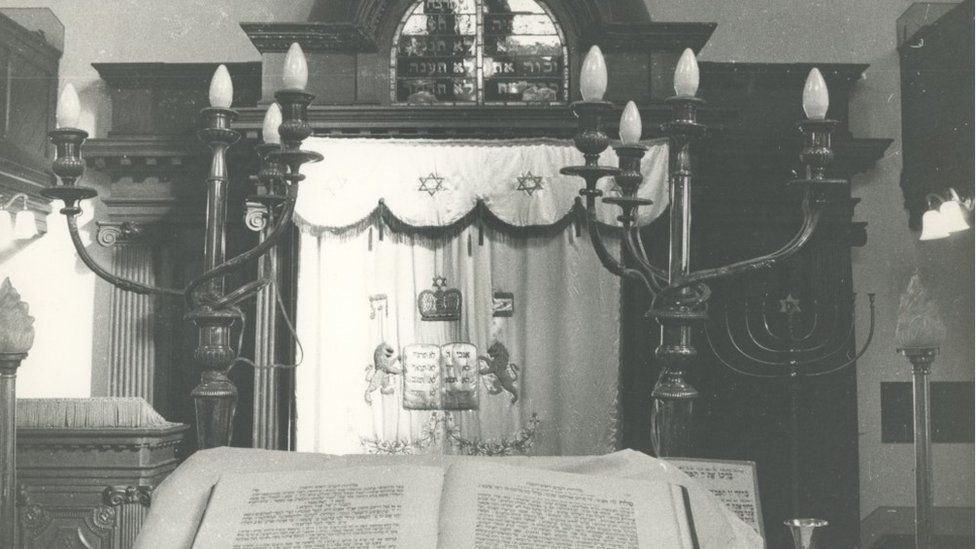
154, 168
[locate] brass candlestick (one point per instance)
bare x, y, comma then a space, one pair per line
805, 531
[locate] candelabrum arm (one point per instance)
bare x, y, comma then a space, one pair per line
634, 246
606, 258
117, 281
279, 230
811, 218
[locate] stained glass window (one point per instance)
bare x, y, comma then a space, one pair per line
508, 52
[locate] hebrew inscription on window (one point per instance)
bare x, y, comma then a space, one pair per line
479, 52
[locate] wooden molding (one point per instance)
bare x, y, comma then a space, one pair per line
27, 43
170, 75
316, 37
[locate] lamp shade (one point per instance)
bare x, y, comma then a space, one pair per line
952, 216
816, 98
686, 75
630, 124
272, 120
933, 226
25, 227
295, 75
6, 230
221, 89
69, 108
593, 75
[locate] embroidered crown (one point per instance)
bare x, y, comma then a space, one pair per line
440, 303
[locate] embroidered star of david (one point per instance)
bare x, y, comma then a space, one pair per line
529, 183
431, 184
790, 305
440, 282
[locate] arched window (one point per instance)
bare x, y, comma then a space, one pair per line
484, 52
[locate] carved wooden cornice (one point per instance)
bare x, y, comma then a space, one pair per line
316, 37
27, 43
20, 173
139, 157
463, 121
170, 75
648, 37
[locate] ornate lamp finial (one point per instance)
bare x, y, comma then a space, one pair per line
16, 325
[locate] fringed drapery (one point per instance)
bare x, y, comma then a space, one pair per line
434, 189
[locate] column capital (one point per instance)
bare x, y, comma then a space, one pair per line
118, 233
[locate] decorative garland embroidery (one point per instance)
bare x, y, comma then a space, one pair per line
428, 436
520, 443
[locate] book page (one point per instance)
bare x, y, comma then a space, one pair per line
732, 482
488, 505
352, 508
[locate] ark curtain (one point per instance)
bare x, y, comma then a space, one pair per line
356, 291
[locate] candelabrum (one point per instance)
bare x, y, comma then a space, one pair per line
210, 306
680, 294
786, 337
790, 339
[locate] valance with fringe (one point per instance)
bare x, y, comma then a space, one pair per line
439, 187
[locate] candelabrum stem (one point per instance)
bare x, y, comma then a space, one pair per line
9, 362
921, 359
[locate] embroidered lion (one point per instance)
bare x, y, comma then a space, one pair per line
380, 374
504, 373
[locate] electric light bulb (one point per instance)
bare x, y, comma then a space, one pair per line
630, 124
593, 76
816, 98
221, 89
272, 119
686, 75
933, 226
295, 74
952, 216
24, 225
6, 230
69, 108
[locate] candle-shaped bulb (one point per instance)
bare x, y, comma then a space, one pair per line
686, 75
69, 109
272, 119
630, 125
816, 99
221, 89
593, 76
295, 74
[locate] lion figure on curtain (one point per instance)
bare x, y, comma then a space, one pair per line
504, 373
380, 374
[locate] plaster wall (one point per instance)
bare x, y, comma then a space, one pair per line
748, 31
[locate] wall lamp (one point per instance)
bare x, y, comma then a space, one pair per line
15, 225
945, 216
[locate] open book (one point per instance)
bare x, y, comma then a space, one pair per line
469, 505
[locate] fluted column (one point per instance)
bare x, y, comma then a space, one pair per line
132, 349
264, 433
